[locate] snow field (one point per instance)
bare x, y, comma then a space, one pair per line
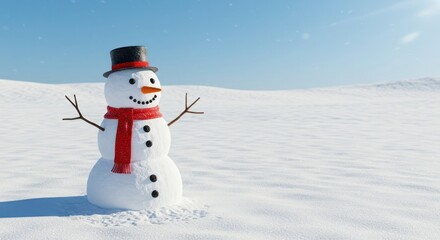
356, 162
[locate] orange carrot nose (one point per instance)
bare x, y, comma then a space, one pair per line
147, 90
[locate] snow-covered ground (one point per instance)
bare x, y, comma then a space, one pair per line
356, 162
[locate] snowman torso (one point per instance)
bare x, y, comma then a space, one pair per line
154, 180
150, 139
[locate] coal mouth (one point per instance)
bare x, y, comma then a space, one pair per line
143, 102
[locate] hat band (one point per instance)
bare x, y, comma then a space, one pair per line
130, 65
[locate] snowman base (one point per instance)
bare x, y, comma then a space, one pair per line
138, 190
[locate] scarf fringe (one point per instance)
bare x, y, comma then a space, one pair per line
122, 168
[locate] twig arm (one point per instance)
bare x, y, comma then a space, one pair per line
186, 109
75, 105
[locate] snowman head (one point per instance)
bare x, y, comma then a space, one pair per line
132, 88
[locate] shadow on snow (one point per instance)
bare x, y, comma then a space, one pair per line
51, 207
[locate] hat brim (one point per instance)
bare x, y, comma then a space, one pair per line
106, 74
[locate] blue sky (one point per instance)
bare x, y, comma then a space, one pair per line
234, 44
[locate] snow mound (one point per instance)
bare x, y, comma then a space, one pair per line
422, 84
185, 211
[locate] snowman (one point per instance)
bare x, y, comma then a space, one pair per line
134, 171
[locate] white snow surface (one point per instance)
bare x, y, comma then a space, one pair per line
356, 162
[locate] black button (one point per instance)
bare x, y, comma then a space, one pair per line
153, 178
155, 194
146, 128
149, 143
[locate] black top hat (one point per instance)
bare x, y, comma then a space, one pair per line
129, 57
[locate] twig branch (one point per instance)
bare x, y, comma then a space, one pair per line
186, 109
75, 105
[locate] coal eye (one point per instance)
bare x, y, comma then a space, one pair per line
152, 80
132, 81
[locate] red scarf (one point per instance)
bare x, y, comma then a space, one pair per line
125, 118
